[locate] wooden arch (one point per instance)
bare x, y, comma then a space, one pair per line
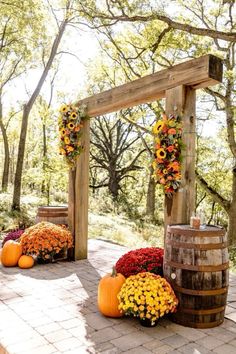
178, 85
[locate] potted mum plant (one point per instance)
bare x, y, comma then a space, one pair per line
148, 259
45, 241
148, 297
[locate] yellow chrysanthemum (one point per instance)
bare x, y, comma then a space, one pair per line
171, 123
158, 127
70, 148
70, 125
161, 154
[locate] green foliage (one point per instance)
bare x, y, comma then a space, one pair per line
232, 258
12, 220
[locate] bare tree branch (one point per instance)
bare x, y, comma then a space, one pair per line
200, 31
212, 192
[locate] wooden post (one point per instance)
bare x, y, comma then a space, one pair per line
81, 184
182, 100
71, 209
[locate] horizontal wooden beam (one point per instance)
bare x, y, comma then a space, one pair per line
197, 73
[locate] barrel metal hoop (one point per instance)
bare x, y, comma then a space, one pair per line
200, 292
199, 324
202, 312
198, 246
47, 214
195, 232
200, 268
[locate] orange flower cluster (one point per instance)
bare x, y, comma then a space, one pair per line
45, 239
168, 146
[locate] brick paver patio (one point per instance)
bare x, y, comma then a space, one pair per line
52, 309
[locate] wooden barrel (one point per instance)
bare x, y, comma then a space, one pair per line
196, 264
54, 214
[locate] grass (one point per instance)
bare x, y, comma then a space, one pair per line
104, 222
120, 230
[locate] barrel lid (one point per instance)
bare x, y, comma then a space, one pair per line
183, 229
53, 207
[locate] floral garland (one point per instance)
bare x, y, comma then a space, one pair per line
168, 146
70, 128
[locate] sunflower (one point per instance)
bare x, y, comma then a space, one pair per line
62, 151
161, 154
158, 127
67, 140
62, 131
64, 108
73, 115
70, 125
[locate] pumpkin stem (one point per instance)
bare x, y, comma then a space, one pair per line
114, 272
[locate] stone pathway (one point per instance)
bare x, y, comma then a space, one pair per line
52, 309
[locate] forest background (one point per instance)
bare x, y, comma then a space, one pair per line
54, 52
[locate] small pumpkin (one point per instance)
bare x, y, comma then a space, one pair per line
108, 288
11, 253
26, 262
0, 254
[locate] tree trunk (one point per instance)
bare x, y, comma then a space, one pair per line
25, 118
20, 160
150, 202
232, 227
44, 187
232, 214
5, 176
113, 186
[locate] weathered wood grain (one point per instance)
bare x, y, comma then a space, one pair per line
81, 196
196, 73
198, 272
71, 209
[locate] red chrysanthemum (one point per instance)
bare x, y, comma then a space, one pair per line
149, 259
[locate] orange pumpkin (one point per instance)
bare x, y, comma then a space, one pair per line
108, 289
26, 262
0, 254
11, 253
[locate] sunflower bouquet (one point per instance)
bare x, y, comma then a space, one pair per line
44, 240
147, 296
167, 155
70, 124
